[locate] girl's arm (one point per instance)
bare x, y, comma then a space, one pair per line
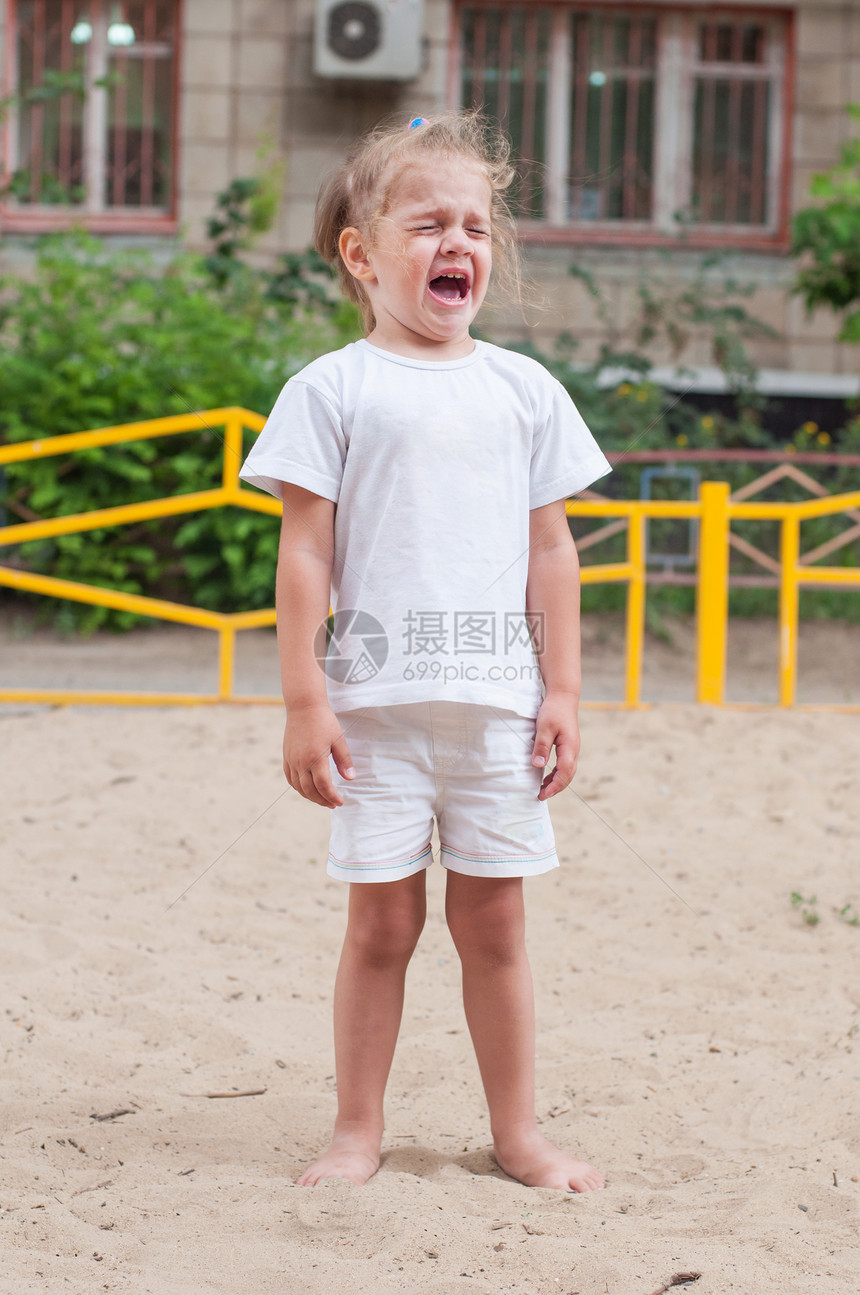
552, 599
303, 591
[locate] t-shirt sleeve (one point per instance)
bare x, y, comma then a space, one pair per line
565, 456
303, 442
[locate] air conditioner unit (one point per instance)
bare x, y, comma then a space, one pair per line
368, 40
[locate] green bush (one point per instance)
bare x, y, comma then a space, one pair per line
96, 339
830, 236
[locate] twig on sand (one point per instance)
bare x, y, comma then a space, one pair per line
95, 1187
680, 1279
113, 1115
249, 1092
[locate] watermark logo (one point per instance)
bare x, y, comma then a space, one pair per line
471, 633
352, 647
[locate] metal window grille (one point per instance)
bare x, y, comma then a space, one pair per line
633, 118
731, 111
612, 155
93, 108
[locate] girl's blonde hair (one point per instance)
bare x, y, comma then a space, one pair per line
358, 194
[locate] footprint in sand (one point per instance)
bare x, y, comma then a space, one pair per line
334, 1205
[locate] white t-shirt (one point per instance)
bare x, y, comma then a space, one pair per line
434, 466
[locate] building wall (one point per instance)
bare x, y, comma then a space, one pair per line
247, 84
248, 76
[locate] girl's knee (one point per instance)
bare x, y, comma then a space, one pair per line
486, 920
385, 922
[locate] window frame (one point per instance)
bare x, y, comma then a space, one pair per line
50, 218
677, 66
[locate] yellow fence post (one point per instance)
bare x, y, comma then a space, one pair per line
226, 658
788, 608
713, 593
635, 608
232, 452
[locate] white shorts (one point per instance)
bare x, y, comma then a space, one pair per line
467, 765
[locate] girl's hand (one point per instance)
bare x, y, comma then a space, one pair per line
558, 726
313, 733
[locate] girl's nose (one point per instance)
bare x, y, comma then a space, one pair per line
457, 240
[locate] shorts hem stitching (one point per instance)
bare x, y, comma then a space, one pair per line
497, 858
403, 862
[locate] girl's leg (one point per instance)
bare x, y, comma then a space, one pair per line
385, 921
487, 922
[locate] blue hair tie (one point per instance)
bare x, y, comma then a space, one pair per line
417, 121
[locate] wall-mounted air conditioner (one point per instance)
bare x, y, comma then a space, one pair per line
368, 40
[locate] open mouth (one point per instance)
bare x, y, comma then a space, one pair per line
450, 288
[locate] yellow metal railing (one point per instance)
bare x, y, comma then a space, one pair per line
714, 510
232, 421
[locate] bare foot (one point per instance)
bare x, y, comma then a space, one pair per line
353, 1156
534, 1161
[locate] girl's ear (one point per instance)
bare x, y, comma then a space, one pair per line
354, 254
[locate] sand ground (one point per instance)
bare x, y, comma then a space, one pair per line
698, 1040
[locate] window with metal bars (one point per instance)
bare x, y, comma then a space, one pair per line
635, 121
89, 126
